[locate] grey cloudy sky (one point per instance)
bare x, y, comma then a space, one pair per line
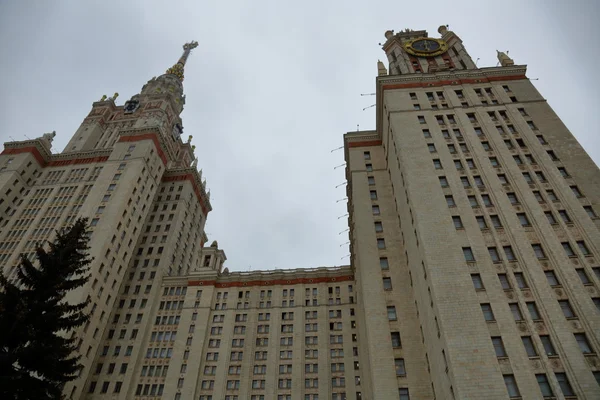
270, 91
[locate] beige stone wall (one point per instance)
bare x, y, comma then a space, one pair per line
448, 306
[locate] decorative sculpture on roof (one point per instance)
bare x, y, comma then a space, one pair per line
49, 136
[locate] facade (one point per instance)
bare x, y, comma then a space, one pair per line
474, 233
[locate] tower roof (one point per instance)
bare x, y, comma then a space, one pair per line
177, 69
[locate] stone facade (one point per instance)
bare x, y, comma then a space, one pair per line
474, 250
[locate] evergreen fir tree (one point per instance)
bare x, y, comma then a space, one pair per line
36, 348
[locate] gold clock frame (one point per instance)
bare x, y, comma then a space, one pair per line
418, 53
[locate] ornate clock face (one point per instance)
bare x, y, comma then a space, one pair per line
426, 47
131, 106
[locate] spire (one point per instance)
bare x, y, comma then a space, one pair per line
177, 69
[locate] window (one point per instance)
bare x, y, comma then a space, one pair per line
576, 191
485, 198
499, 346
376, 210
544, 385
496, 221
486, 146
371, 180
508, 252
551, 195
391, 312
378, 226
533, 311
450, 201
468, 253
426, 133
437, 164
518, 160
481, 222
539, 251
564, 384
488, 314
458, 165
552, 155
369, 167
550, 217
504, 282
396, 342
584, 345
567, 309
590, 212
568, 249
478, 181
452, 149
511, 386
373, 194
443, 182
465, 181
413, 96
529, 347
477, 282
367, 155
473, 201
516, 311
494, 254
383, 263
523, 219
457, 222
528, 177
421, 119
400, 368
583, 248
403, 393
540, 176
512, 197
381, 243
548, 346
387, 284
563, 172
583, 276
521, 283
552, 279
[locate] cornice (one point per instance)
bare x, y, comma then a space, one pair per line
453, 75
277, 277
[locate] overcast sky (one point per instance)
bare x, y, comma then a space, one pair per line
271, 89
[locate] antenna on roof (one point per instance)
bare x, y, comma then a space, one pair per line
476, 61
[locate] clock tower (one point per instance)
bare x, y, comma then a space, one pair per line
411, 52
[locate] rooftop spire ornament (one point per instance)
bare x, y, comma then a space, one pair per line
177, 69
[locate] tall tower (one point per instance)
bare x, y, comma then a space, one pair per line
474, 232
126, 168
